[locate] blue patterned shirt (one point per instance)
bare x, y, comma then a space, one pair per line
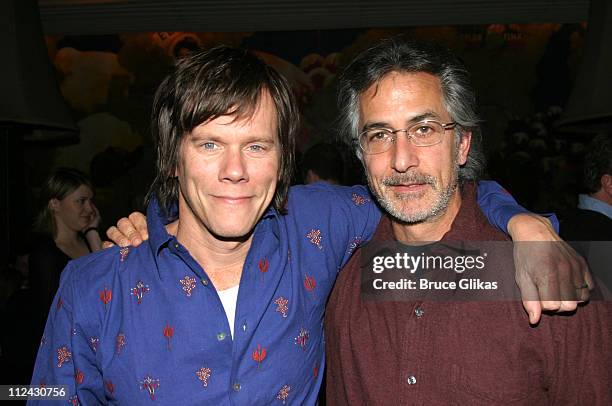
145, 325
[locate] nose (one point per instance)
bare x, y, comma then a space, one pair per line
87, 206
404, 153
234, 167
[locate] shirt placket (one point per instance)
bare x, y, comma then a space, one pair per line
413, 352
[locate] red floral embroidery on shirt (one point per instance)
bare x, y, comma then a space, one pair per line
281, 305
263, 265
79, 376
259, 354
150, 384
123, 253
63, 355
119, 343
302, 338
314, 236
188, 284
359, 200
168, 333
203, 375
139, 291
110, 387
283, 394
106, 295
310, 284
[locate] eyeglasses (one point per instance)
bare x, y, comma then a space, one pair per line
423, 134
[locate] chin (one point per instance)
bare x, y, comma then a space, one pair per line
239, 232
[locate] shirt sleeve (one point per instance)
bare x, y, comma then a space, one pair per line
65, 356
499, 206
334, 220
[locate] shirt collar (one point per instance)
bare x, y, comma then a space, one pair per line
587, 202
157, 218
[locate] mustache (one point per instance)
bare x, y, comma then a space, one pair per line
409, 178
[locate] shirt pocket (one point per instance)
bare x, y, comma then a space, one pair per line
473, 387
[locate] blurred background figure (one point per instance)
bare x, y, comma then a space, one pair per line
592, 219
67, 228
588, 228
323, 162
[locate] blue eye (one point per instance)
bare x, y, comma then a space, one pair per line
208, 145
256, 148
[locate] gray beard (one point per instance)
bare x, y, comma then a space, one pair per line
440, 205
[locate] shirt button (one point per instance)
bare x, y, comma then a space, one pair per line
244, 327
411, 380
221, 336
419, 312
176, 245
236, 387
205, 282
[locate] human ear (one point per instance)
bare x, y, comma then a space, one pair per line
463, 149
53, 204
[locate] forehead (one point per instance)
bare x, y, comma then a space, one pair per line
402, 95
81, 191
259, 119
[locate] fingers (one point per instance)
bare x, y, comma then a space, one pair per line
582, 283
587, 277
529, 294
117, 237
107, 244
129, 231
127, 228
569, 280
139, 222
558, 291
533, 309
575, 280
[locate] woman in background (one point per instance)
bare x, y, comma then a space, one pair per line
67, 226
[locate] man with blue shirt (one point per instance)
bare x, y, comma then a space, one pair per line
224, 305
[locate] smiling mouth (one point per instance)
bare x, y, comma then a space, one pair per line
233, 199
407, 188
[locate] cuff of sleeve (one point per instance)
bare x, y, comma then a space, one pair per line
553, 220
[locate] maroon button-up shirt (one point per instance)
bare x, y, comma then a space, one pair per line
467, 353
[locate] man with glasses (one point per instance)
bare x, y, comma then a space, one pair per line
410, 110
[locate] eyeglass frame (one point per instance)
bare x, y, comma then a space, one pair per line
447, 126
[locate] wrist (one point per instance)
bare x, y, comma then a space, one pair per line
89, 229
529, 226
